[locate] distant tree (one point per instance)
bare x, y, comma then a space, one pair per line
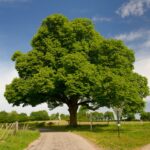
82, 113
109, 116
101, 116
54, 116
3, 117
96, 116
39, 115
145, 116
64, 117
13, 116
23, 117
130, 117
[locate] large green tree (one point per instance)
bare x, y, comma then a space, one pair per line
58, 69
69, 64
121, 87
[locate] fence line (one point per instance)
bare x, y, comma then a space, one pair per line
10, 129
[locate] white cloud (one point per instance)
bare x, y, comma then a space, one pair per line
101, 19
147, 43
133, 7
143, 68
130, 36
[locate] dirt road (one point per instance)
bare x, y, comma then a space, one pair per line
61, 141
146, 147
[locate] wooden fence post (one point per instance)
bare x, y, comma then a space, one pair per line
16, 128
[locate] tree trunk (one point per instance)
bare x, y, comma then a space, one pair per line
73, 113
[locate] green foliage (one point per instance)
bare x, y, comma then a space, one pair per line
23, 117
39, 115
83, 114
113, 54
120, 85
3, 117
145, 116
58, 68
130, 117
64, 117
97, 116
71, 63
12, 117
123, 91
54, 116
108, 116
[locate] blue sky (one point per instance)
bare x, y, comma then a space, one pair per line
128, 20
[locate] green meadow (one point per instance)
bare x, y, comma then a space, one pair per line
133, 135
19, 141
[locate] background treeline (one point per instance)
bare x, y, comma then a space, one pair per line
22, 117
83, 115
43, 115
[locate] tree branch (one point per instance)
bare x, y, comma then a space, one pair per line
84, 102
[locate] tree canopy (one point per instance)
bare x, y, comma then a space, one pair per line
71, 63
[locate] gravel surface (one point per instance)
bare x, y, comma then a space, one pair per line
61, 141
146, 147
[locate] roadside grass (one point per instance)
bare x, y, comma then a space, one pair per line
19, 141
133, 135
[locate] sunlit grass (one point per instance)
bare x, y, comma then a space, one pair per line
132, 136
19, 141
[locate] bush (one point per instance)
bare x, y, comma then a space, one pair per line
108, 116
96, 116
130, 117
54, 116
3, 117
39, 115
23, 117
13, 116
145, 116
64, 117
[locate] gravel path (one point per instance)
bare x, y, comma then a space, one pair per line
146, 147
61, 141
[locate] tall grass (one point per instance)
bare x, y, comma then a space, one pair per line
133, 135
20, 141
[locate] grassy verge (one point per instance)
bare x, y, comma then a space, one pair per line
19, 141
133, 135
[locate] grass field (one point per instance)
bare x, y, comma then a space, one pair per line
133, 135
20, 141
